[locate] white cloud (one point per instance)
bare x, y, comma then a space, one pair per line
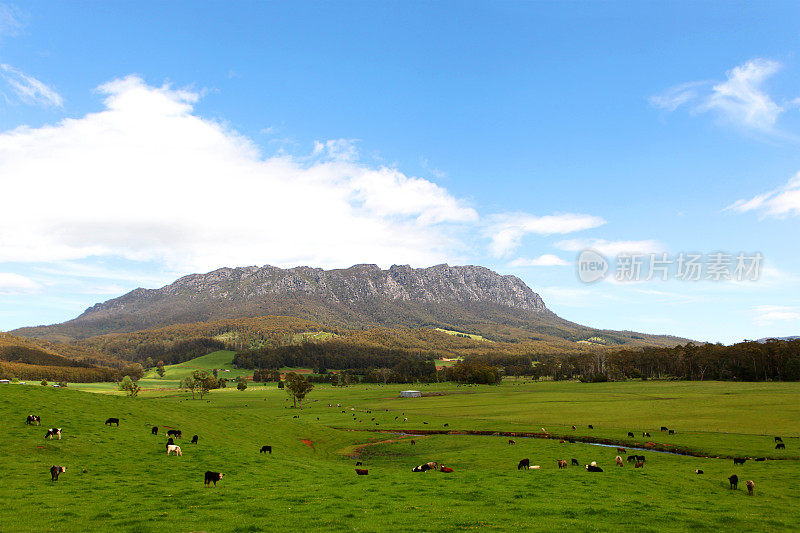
14, 284
542, 260
147, 179
10, 20
740, 99
611, 248
28, 89
506, 231
778, 203
769, 314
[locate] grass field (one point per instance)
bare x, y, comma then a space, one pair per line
462, 334
121, 478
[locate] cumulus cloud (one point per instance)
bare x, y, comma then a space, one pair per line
740, 99
611, 248
28, 89
542, 260
765, 315
148, 179
778, 203
506, 231
14, 284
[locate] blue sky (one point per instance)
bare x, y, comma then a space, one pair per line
141, 142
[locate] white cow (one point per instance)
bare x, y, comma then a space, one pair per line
174, 448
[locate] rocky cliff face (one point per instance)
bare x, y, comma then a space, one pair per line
440, 284
359, 296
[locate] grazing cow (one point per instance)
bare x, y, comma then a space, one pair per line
173, 448
645, 434
751, 487
446, 425
618, 459
112, 421
760, 459
53, 432
174, 433
739, 461
56, 470
562, 463
575, 462
593, 468
663, 428
266, 449
621, 450
780, 446
194, 440
413, 442
170, 441
359, 463
630, 434
33, 419
432, 465
154, 431
448, 470
639, 464
511, 441
631, 458
573, 427
640, 458
212, 477
671, 432
777, 439
698, 471
734, 479
525, 463
591, 426
362, 471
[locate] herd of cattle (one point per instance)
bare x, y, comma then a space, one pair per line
524, 464
172, 448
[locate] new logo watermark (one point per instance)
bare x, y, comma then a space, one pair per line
684, 266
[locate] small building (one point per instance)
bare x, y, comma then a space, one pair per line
4, 381
410, 394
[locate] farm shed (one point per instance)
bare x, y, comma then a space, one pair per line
410, 394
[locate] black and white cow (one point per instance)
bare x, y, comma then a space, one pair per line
212, 477
55, 471
33, 419
266, 449
112, 421
593, 468
53, 432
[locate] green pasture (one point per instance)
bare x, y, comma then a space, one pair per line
461, 333
223, 360
121, 479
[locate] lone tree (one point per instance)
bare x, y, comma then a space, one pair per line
190, 384
160, 369
205, 382
129, 386
297, 387
242, 383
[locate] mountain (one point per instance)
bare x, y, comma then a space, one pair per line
464, 298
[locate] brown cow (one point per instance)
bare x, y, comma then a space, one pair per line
751, 487
562, 463
445, 469
639, 464
362, 471
511, 441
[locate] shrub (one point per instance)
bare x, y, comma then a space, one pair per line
44, 383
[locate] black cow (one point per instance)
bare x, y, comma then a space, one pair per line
154, 431
55, 471
780, 446
174, 433
575, 462
525, 463
194, 440
734, 479
212, 477
112, 421
33, 419
760, 459
777, 439
698, 471
663, 428
630, 434
266, 449
591, 426
53, 432
640, 458
592, 468
359, 463
631, 458
170, 442
739, 461
671, 431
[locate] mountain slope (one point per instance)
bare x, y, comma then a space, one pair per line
463, 298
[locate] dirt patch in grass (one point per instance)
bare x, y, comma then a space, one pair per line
308, 442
